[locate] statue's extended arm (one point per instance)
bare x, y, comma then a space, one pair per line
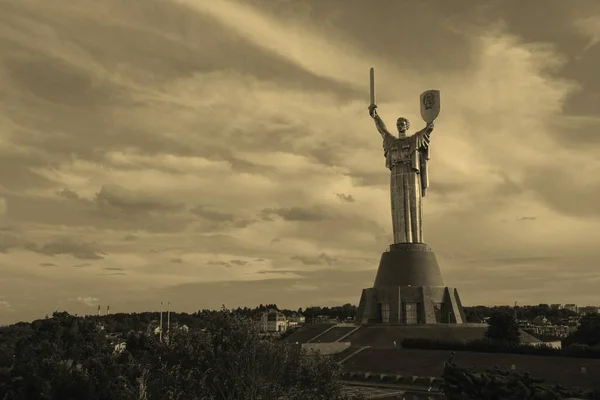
381, 128
379, 124
422, 136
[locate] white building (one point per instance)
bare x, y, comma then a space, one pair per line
273, 321
571, 307
296, 319
588, 310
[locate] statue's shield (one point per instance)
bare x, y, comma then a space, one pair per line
430, 105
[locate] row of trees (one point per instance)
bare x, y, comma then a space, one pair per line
503, 328
475, 314
125, 322
503, 336
68, 358
554, 315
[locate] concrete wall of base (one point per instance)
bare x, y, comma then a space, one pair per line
434, 304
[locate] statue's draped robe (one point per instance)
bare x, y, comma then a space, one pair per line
407, 158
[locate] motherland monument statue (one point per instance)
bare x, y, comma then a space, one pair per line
408, 288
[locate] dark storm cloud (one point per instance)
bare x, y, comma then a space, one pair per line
322, 258
11, 241
68, 194
526, 218
75, 90
80, 212
345, 198
238, 262
221, 219
578, 132
280, 271
78, 249
369, 178
84, 265
300, 214
176, 261
219, 263
565, 192
388, 27
560, 29
73, 247
213, 215
512, 260
393, 27
47, 265
56, 81
117, 198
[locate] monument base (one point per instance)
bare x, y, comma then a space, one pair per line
409, 289
410, 305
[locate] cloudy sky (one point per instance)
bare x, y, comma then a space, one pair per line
220, 152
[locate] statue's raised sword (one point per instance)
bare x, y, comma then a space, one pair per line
372, 80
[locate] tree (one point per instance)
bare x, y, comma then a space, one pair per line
503, 329
65, 357
230, 360
588, 332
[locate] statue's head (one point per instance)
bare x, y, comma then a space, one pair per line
403, 125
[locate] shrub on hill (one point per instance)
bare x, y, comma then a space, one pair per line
467, 384
65, 357
588, 332
503, 329
490, 346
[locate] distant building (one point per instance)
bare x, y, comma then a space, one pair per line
588, 310
273, 321
571, 307
558, 331
556, 306
296, 319
540, 320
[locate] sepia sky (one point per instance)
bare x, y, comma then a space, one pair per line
220, 152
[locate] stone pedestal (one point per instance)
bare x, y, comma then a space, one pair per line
409, 289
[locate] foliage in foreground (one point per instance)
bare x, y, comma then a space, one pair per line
496, 384
65, 357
